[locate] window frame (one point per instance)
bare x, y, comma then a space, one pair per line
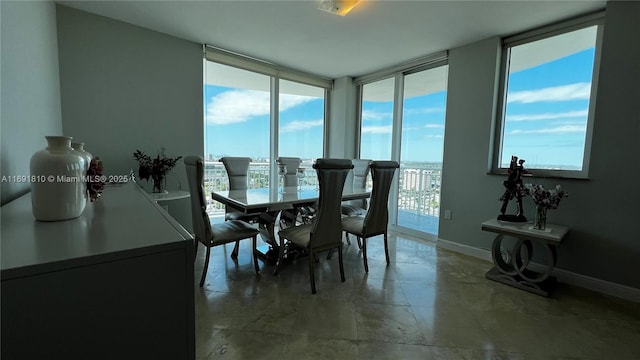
546, 32
397, 73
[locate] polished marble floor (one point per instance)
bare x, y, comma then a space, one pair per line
430, 303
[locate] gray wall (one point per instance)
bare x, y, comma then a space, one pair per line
342, 120
30, 88
125, 88
602, 211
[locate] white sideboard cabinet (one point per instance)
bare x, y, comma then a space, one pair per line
115, 283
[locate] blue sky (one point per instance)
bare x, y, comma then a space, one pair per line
422, 128
546, 119
237, 123
547, 112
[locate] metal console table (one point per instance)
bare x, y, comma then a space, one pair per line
517, 271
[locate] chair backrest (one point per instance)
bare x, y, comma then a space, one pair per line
199, 216
327, 224
375, 222
292, 164
237, 171
359, 179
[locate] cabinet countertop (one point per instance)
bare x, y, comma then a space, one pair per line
125, 221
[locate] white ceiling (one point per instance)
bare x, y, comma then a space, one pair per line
375, 35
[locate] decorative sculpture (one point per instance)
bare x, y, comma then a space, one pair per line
514, 189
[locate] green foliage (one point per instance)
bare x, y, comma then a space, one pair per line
155, 168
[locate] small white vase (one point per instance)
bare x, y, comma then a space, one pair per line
79, 147
60, 192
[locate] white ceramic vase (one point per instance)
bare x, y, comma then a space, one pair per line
59, 192
79, 147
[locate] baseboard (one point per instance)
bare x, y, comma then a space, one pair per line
483, 254
567, 277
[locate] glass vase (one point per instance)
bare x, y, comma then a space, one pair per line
540, 220
159, 184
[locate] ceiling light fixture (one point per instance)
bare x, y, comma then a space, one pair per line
338, 7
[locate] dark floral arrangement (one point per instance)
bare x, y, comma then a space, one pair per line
547, 199
95, 176
155, 168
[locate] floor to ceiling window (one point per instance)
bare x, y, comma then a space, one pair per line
422, 144
377, 120
241, 118
237, 113
301, 122
402, 118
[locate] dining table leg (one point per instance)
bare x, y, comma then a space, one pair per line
266, 227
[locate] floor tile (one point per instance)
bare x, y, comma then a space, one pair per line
428, 303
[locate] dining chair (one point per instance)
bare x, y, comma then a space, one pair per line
359, 180
325, 230
292, 164
238, 174
206, 233
377, 216
290, 217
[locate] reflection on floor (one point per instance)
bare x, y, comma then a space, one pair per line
429, 303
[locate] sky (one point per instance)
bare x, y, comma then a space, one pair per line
546, 112
237, 123
546, 117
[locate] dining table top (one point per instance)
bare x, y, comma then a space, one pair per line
269, 199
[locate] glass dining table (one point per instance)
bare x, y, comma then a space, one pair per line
270, 202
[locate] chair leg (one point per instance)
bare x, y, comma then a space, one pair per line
206, 266
346, 236
341, 265
234, 253
254, 246
312, 277
386, 248
364, 255
359, 242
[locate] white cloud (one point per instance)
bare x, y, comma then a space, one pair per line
577, 91
427, 110
376, 129
237, 106
375, 115
299, 125
434, 126
548, 116
565, 129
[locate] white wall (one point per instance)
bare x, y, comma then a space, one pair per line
30, 87
125, 88
602, 211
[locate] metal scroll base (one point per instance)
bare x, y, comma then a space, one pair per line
543, 288
517, 273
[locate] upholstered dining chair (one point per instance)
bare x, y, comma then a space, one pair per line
325, 230
377, 216
238, 174
292, 164
206, 233
359, 178
290, 217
